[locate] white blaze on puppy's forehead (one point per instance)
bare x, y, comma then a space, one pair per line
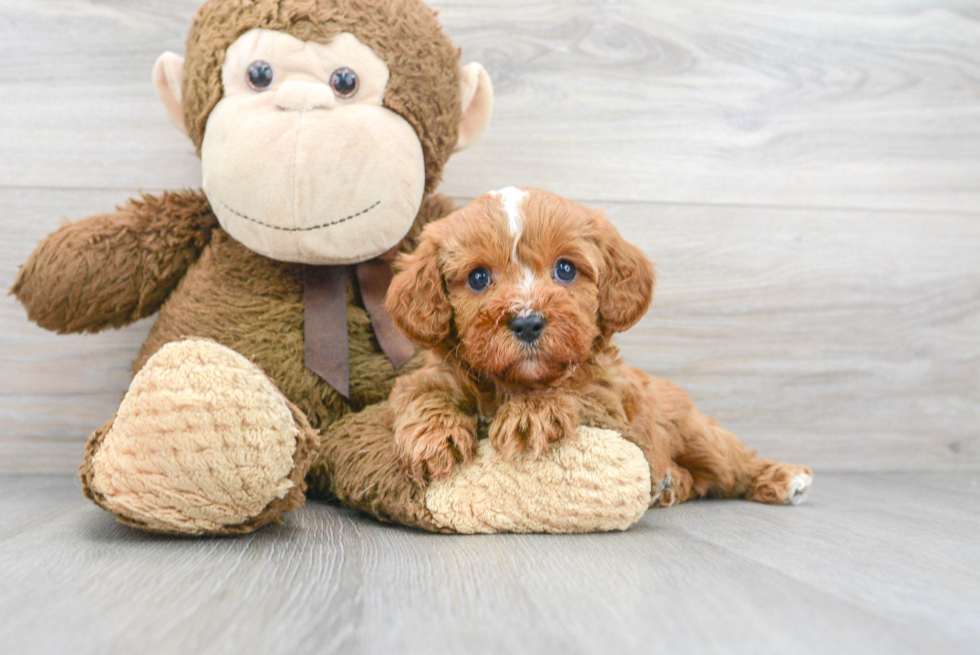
511, 198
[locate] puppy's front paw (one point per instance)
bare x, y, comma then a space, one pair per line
532, 423
429, 446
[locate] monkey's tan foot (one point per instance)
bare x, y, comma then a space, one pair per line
782, 484
203, 443
594, 480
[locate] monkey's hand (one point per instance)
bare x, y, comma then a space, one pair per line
110, 270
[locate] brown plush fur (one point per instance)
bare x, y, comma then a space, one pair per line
167, 252
253, 305
536, 394
112, 269
359, 465
424, 63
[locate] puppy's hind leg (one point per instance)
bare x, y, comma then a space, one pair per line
722, 466
712, 462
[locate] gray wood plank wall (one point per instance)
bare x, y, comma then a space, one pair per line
805, 174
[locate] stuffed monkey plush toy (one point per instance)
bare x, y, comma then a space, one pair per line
323, 127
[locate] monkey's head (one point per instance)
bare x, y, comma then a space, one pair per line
321, 124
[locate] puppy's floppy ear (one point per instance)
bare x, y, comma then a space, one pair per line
626, 287
417, 299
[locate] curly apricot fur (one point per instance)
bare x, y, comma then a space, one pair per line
533, 394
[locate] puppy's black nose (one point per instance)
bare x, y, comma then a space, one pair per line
527, 328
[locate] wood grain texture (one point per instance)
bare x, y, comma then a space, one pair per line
849, 339
873, 564
862, 104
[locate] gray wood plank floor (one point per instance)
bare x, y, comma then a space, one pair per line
873, 563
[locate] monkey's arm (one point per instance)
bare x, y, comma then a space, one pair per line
112, 269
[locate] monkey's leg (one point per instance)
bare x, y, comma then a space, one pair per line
722, 466
593, 481
203, 443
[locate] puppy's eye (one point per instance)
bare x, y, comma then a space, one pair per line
479, 279
344, 82
259, 75
565, 271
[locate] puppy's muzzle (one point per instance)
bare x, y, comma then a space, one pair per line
527, 328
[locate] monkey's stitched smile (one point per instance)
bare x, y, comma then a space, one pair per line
300, 229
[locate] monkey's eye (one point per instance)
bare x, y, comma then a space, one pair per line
480, 279
259, 75
565, 271
344, 82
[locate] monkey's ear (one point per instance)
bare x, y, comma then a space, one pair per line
417, 299
168, 78
476, 92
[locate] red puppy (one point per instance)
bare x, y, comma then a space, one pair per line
517, 297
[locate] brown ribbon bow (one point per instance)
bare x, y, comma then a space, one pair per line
325, 315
